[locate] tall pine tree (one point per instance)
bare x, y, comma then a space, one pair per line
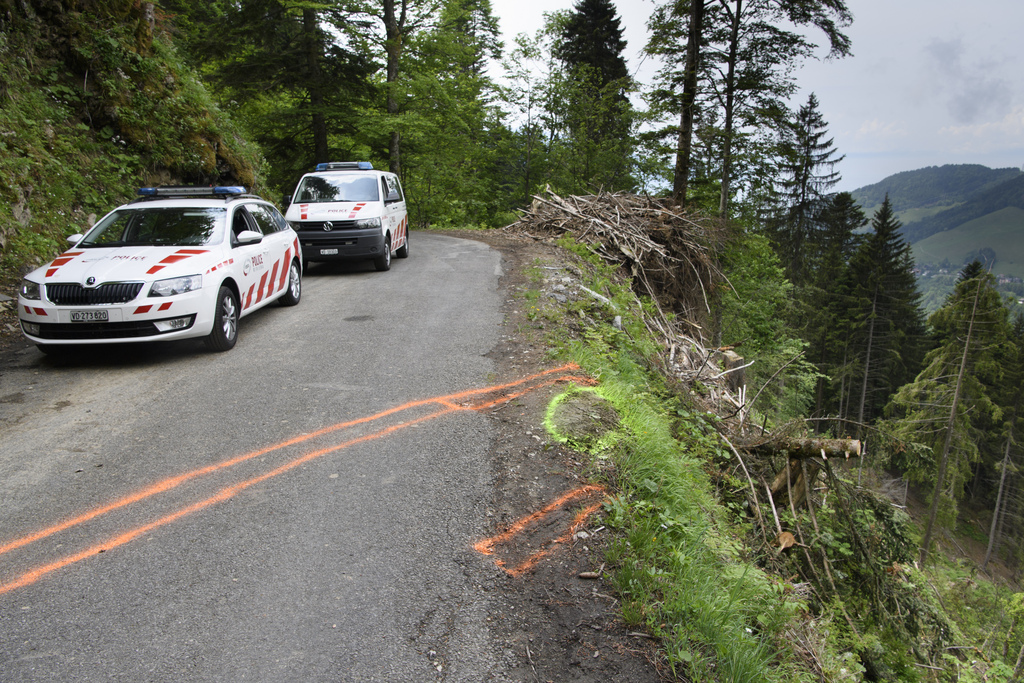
886, 328
596, 115
808, 170
949, 407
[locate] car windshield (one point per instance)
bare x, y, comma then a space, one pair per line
157, 226
338, 188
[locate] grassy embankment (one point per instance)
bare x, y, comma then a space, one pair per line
692, 563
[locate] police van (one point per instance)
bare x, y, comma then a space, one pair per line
347, 211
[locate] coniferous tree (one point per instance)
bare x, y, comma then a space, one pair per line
596, 115
887, 324
280, 67
592, 36
808, 173
736, 58
825, 311
1007, 471
949, 407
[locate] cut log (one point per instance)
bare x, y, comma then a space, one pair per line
801, 449
797, 484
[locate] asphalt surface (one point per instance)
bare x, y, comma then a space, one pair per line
279, 512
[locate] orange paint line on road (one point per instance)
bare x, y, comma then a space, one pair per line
224, 494
486, 546
448, 407
175, 481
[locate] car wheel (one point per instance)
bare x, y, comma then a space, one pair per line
225, 322
403, 251
383, 262
292, 295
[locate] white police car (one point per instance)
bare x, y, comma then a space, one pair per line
346, 210
177, 262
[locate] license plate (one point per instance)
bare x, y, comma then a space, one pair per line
328, 252
88, 316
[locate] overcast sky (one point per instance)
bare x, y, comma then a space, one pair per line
930, 82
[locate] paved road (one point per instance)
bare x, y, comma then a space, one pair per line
168, 514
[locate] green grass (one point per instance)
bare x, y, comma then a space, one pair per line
1001, 231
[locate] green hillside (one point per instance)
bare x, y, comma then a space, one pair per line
93, 105
1001, 231
993, 199
932, 187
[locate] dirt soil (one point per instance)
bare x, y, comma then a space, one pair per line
558, 618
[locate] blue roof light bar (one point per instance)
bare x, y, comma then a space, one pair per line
192, 191
345, 166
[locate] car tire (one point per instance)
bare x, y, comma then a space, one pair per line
383, 262
403, 251
293, 292
225, 322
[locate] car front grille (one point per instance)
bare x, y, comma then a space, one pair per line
74, 294
319, 226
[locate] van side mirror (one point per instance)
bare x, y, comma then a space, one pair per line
286, 201
393, 196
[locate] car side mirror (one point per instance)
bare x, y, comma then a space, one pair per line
74, 239
250, 237
286, 201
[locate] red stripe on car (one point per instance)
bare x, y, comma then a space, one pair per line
259, 292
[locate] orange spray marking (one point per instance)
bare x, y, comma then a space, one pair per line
448, 405
486, 546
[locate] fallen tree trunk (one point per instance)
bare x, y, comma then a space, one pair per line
802, 449
791, 480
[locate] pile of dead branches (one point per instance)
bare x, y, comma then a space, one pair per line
670, 254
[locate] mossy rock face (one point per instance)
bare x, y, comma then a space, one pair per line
582, 418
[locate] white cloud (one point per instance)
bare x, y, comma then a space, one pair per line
990, 135
878, 130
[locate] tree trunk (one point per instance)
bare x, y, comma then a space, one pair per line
802, 449
997, 510
867, 364
393, 39
933, 510
318, 122
730, 96
685, 144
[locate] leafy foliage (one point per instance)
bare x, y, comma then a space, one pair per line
95, 105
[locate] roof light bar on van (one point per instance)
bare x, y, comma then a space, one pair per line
345, 166
192, 191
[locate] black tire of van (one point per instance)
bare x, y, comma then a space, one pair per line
383, 262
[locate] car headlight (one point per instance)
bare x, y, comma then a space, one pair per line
30, 290
176, 285
368, 223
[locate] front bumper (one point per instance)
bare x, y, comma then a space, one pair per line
142, 320
338, 245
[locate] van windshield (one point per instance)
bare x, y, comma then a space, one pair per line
338, 188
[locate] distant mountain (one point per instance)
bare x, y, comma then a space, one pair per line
934, 186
